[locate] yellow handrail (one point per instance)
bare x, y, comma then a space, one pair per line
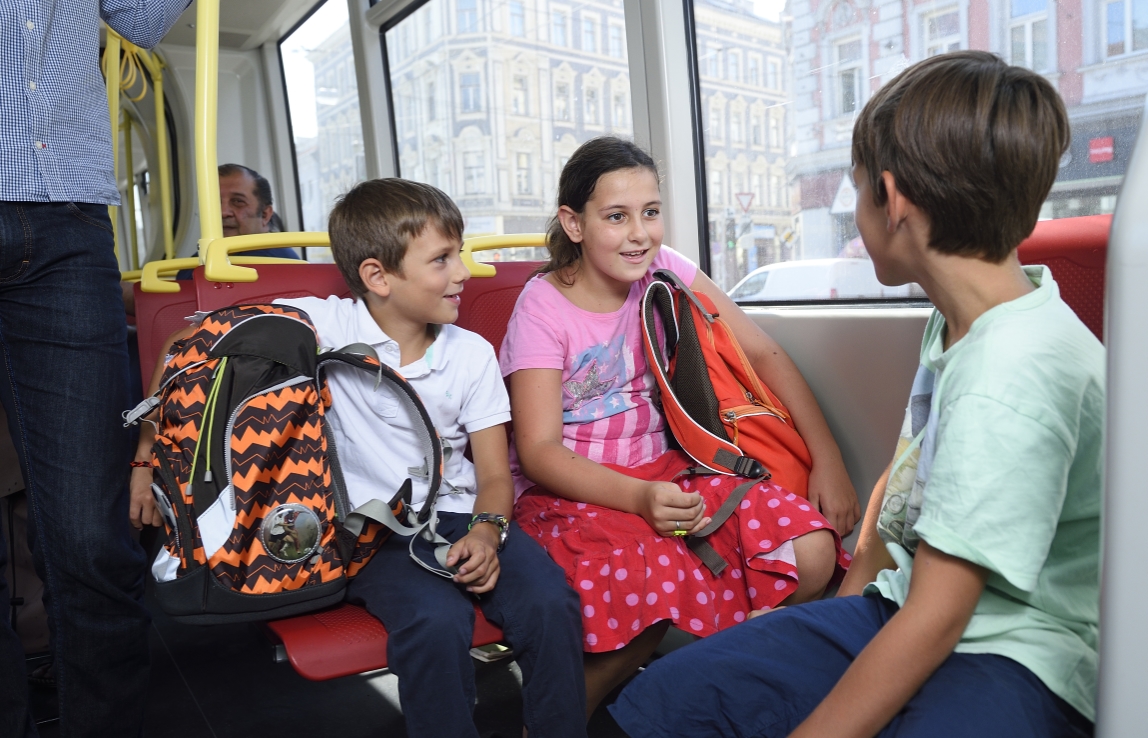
489, 243
206, 156
151, 277
121, 77
112, 75
129, 162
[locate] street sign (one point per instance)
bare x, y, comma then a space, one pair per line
846, 199
745, 199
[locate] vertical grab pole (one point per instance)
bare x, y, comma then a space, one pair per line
130, 215
112, 74
156, 67
206, 94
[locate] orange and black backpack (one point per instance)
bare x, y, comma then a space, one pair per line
246, 476
720, 412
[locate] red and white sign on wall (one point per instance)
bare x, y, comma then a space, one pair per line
1100, 149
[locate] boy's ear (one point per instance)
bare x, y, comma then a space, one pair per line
896, 204
571, 223
375, 278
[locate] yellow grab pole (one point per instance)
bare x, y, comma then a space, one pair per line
164, 163
206, 93
129, 163
112, 72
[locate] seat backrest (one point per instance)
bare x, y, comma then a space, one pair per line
488, 301
158, 315
1074, 250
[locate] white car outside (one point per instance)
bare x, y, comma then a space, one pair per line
816, 279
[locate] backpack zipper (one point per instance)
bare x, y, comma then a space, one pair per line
231, 426
734, 414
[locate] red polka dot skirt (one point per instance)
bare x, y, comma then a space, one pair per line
630, 577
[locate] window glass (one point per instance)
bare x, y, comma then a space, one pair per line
323, 99
511, 104
777, 152
517, 19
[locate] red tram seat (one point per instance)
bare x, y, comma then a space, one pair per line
158, 315
348, 640
1074, 249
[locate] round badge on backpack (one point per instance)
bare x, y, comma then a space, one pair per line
290, 533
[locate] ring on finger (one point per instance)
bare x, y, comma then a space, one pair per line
678, 529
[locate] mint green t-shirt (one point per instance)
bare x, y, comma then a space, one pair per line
999, 463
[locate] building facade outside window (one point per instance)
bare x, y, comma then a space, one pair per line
733, 66
589, 36
467, 16
470, 91
942, 31
520, 97
848, 77
592, 113
474, 172
559, 29
431, 103
617, 47
561, 101
517, 18
522, 180
1126, 27
618, 115
753, 69
1028, 34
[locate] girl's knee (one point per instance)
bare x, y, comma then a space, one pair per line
816, 554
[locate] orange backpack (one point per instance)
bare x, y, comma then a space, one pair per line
720, 412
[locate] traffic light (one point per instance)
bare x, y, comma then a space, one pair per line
730, 234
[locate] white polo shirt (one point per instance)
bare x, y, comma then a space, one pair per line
458, 381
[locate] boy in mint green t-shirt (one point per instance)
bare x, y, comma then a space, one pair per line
979, 554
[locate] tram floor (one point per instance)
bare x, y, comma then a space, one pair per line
222, 682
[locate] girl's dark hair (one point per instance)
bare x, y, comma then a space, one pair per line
593, 159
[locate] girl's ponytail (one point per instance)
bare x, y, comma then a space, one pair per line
593, 159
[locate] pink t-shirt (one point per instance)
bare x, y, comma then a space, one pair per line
607, 412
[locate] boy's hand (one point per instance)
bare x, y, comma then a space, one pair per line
142, 510
478, 552
667, 508
831, 492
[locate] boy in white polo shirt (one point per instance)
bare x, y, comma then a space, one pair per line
397, 244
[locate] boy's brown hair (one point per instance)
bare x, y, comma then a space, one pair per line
379, 217
971, 141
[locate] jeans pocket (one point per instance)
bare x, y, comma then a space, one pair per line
91, 214
15, 246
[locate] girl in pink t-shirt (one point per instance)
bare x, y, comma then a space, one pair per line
597, 481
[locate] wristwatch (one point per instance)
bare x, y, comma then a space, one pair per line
499, 520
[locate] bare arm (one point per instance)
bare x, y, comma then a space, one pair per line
830, 489
943, 593
536, 405
871, 555
142, 510
478, 549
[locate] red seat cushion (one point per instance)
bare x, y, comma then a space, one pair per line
348, 640
158, 315
1074, 249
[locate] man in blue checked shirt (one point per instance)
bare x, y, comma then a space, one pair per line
64, 360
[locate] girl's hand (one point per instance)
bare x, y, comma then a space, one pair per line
142, 510
831, 492
478, 550
667, 508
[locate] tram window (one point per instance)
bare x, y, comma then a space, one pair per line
323, 100
512, 107
776, 152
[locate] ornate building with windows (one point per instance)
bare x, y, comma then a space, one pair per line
1095, 52
492, 98
742, 70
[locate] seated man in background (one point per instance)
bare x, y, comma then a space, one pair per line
246, 208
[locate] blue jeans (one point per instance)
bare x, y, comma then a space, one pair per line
764, 677
63, 382
430, 621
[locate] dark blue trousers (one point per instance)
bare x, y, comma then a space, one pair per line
63, 382
764, 677
430, 622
